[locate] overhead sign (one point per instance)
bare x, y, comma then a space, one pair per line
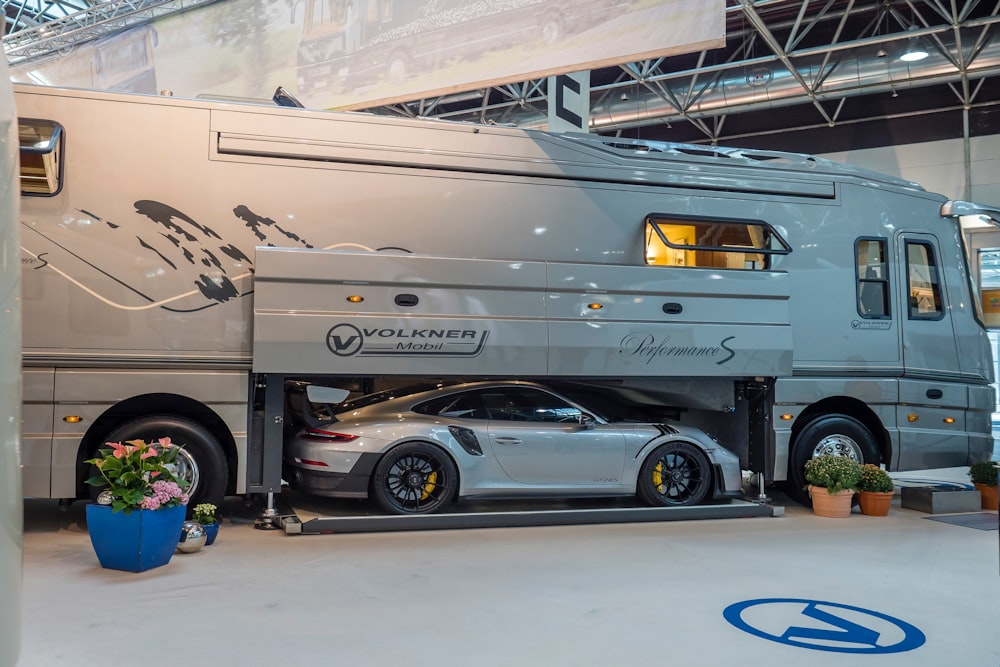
569, 102
824, 626
353, 54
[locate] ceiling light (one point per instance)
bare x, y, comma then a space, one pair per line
913, 54
914, 51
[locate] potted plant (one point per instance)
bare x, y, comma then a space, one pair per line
832, 483
984, 478
137, 520
875, 490
204, 513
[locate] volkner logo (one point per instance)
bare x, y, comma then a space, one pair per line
645, 346
824, 626
347, 340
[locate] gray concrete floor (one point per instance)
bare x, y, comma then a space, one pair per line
602, 595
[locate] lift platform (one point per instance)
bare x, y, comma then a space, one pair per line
292, 524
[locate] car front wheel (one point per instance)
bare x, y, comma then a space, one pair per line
676, 473
414, 478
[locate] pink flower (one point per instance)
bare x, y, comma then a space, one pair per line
150, 503
150, 452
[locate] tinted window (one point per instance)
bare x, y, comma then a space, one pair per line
924, 284
463, 405
527, 405
873, 278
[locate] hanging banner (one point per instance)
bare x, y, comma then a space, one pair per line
354, 54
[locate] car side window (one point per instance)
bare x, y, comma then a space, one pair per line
527, 405
465, 405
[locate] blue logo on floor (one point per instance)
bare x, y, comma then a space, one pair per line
824, 626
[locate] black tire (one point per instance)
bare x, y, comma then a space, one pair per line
675, 474
414, 478
202, 462
839, 435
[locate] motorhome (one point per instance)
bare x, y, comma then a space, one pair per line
787, 305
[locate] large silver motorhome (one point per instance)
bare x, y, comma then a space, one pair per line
11, 512
803, 306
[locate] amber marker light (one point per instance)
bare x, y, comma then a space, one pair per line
786, 417
72, 419
355, 298
594, 306
949, 420
912, 417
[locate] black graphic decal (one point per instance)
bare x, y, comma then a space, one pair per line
233, 252
254, 223
211, 259
164, 215
158, 253
224, 290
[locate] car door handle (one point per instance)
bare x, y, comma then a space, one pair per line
507, 441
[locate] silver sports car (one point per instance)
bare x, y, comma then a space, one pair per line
417, 449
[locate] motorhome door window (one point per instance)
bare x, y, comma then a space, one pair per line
924, 285
873, 278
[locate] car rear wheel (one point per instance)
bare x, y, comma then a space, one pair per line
414, 478
676, 473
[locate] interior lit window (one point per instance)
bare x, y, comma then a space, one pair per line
41, 159
696, 242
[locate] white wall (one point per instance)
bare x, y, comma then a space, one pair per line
939, 166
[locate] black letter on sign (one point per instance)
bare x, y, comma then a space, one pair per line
563, 82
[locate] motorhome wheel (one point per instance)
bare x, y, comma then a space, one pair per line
676, 473
838, 435
201, 462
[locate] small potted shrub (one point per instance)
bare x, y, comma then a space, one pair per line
204, 513
832, 483
875, 490
984, 478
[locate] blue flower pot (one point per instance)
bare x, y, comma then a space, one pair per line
137, 541
212, 530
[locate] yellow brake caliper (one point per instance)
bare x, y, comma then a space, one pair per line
658, 477
429, 485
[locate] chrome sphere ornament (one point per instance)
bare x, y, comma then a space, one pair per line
193, 537
105, 498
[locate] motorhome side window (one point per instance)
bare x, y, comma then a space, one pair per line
702, 242
873, 278
41, 159
924, 284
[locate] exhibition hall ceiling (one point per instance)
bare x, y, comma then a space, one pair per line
836, 69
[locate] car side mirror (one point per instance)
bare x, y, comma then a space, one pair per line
587, 421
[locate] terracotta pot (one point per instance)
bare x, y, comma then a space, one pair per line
988, 495
833, 505
875, 503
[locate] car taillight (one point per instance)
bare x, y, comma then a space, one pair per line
327, 436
